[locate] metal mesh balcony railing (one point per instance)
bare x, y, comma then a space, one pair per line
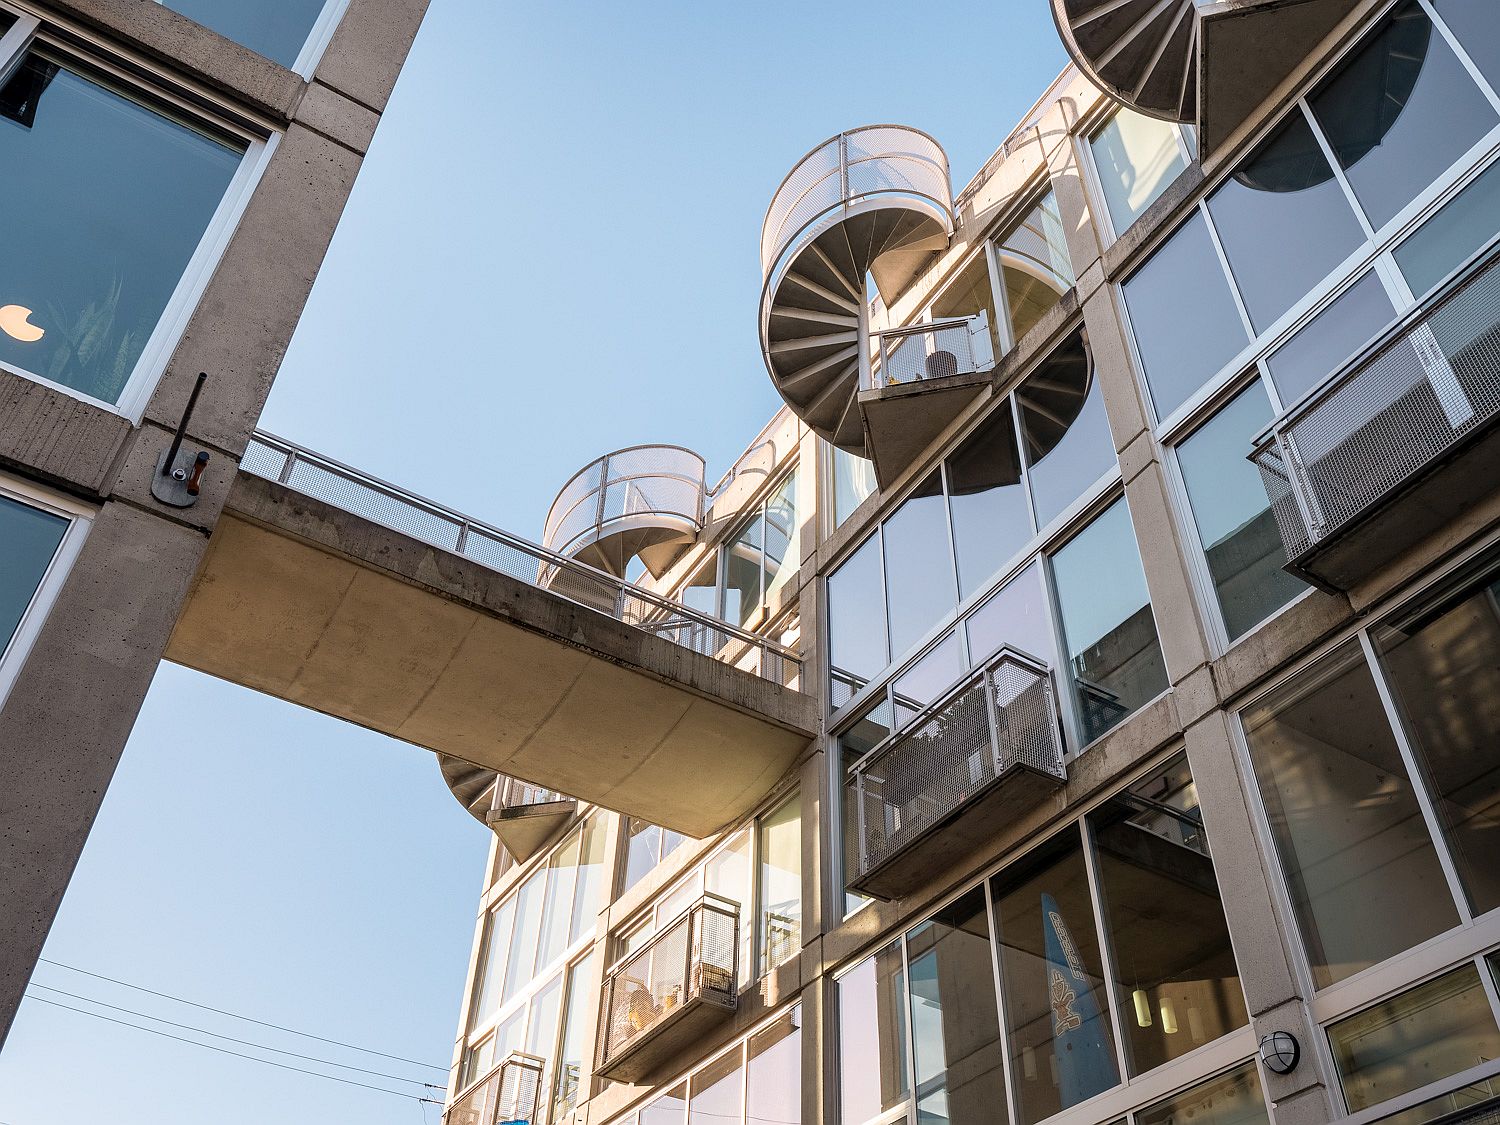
692, 962
325, 479
513, 793
958, 346
1003, 718
642, 481
1391, 413
512, 1092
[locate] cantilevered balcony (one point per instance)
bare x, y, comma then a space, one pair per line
525, 817
875, 200
985, 752
1397, 443
663, 998
645, 502
512, 1092
1211, 64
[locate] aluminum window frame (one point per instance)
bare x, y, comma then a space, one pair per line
313, 46
1098, 200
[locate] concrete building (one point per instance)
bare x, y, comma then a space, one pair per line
1078, 705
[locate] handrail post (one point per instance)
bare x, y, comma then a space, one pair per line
985, 682
289, 462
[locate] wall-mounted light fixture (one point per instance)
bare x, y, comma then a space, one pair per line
1280, 1051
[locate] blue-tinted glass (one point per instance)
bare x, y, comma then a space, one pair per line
1110, 634
276, 29
925, 680
1136, 157
1284, 222
1016, 616
1477, 25
1330, 339
1065, 429
1400, 112
919, 582
1467, 222
108, 201
1240, 541
28, 540
991, 521
856, 617
1186, 325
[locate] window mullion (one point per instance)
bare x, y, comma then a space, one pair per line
1106, 952
1012, 1098
1338, 170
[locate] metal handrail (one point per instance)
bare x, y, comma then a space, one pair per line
562, 532
955, 331
492, 1084
550, 562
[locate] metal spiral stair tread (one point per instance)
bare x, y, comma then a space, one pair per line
1143, 53
469, 783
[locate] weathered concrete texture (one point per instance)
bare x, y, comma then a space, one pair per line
1126, 251
1281, 639
240, 329
1114, 368
902, 421
70, 712
337, 117
368, 49
319, 607
54, 437
1313, 1106
1184, 644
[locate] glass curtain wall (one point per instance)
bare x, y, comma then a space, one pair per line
1135, 158
747, 573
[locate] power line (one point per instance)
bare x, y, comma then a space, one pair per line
236, 1054
230, 1038
237, 1016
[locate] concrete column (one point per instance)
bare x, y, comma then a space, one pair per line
819, 1055
815, 801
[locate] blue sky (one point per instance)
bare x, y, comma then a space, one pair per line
551, 252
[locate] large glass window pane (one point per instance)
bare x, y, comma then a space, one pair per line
783, 548
1064, 428
1467, 222
492, 963
856, 619
29, 538
1329, 340
1399, 112
970, 295
541, 1029
773, 1094
276, 30
562, 875
642, 849
1184, 317
1364, 878
1034, 266
991, 521
716, 1092
1176, 982
1056, 1013
922, 682
1230, 1099
570, 1062
522, 961
1136, 157
1443, 664
88, 273
957, 1057
587, 900
669, 1109
781, 883
868, 731
1477, 25
1284, 221
1437, 1029
919, 579
872, 1037
853, 483
1243, 549
1017, 615
1113, 652
742, 568
728, 875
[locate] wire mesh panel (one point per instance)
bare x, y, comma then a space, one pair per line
645, 480
519, 1095
935, 351
513, 793
1378, 423
1002, 718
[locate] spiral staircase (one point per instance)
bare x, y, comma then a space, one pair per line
1209, 64
525, 817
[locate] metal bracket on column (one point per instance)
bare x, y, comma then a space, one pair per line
179, 472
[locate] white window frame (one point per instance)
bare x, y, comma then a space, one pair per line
1097, 197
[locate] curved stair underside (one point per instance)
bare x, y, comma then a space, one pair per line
1143, 53
471, 784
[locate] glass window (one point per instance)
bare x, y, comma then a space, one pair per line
587, 901
783, 548
1399, 112
1284, 221
541, 1030
1435, 1030
856, 617
1477, 25
742, 566
1241, 545
853, 483
562, 874
970, 295
717, 1091
1176, 982
1466, 223
1056, 1016
1034, 266
277, 31
88, 274
1364, 879
1442, 661
522, 960
872, 1037
773, 1094
646, 845
781, 883
1184, 317
1113, 654
669, 1109
987, 500
1136, 157
867, 732
957, 1054
1017, 615
571, 1065
728, 875
927, 679
1329, 340
491, 971
919, 580
29, 539
701, 591
1064, 428
1230, 1099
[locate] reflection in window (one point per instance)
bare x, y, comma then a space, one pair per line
1185, 321
669, 1109
276, 30
919, 579
1329, 340
1443, 663
1230, 1099
783, 547
1477, 25
742, 565
969, 295
568, 1080
1283, 220
926, 679
1034, 266
1114, 657
1399, 112
1429, 1033
1176, 981
856, 620
853, 483
991, 521
1241, 545
522, 960
1364, 878
1446, 241
872, 1037
716, 1091
780, 892
1064, 428
646, 845
1136, 157
587, 900
1016, 615
491, 971
1056, 1014
869, 731
541, 1031
773, 1094
90, 272
29, 538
